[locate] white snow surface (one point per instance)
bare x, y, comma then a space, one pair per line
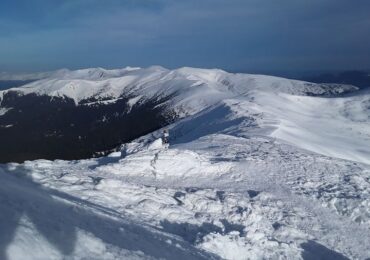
93, 73
257, 168
194, 89
3, 111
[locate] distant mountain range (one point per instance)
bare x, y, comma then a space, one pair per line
359, 79
6, 84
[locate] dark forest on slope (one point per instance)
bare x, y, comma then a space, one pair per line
47, 127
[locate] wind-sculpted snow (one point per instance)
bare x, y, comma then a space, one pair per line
234, 197
42, 223
257, 168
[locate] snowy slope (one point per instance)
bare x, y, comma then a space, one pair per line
258, 167
96, 73
290, 107
194, 89
337, 127
41, 223
213, 193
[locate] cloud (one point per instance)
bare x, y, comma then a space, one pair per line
230, 34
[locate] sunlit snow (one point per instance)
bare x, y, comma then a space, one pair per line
258, 167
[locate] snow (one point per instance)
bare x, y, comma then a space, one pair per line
157, 144
6, 126
229, 196
193, 89
258, 167
336, 127
133, 101
92, 73
3, 111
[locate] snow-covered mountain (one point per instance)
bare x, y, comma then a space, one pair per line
83, 106
193, 88
258, 167
94, 73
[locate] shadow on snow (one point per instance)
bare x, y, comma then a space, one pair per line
58, 217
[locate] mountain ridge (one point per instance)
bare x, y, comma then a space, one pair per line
256, 166
97, 106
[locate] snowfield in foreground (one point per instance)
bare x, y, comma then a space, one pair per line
256, 173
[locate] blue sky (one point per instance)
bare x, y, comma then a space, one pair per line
236, 35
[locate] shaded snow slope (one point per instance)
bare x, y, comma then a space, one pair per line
37, 222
